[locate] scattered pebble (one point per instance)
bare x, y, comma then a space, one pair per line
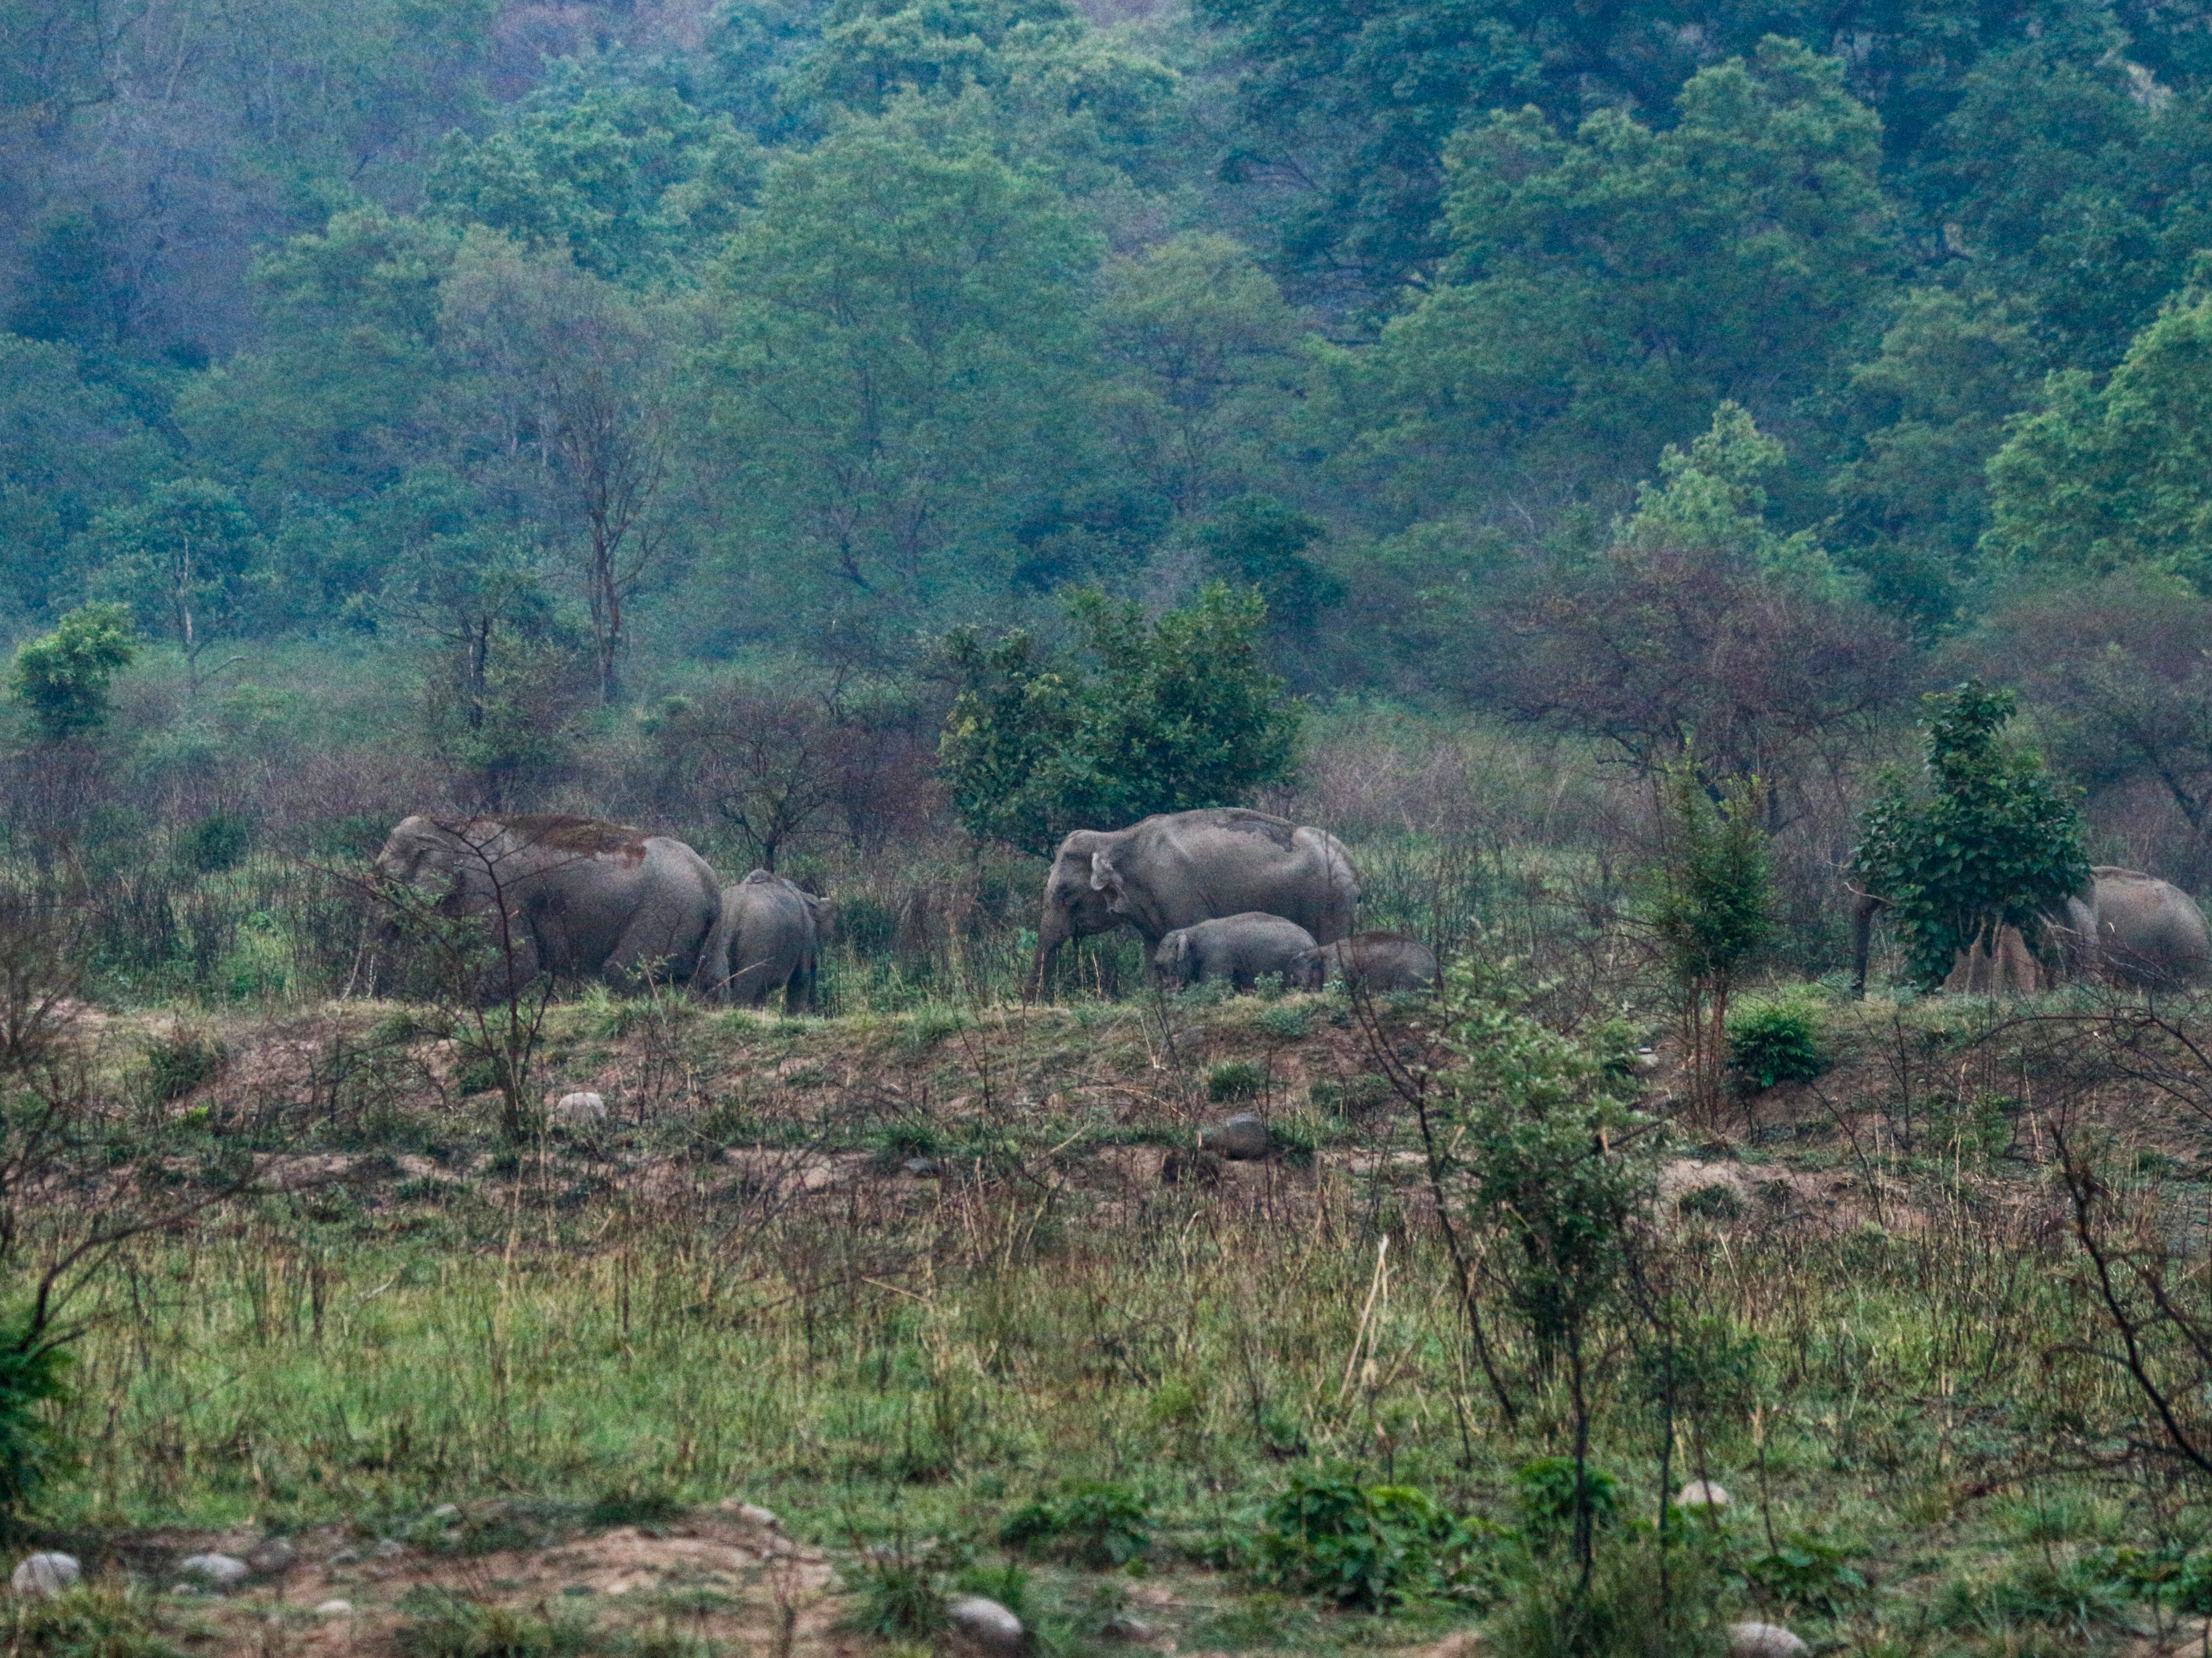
47, 1573
217, 1571
987, 1623
390, 1549
446, 1511
1703, 1494
334, 1609
753, 1513
581, 1110
346, 1558
1240, 1139
1764, 1640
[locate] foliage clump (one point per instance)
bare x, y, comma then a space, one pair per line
1370, 1546
63, 679
1989, 839
1776, 1041
1094, 1523
1179, 712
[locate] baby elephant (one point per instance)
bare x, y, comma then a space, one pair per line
1377, 963
1241, 949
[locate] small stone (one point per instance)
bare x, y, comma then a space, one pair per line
446, 1511
346, 1558
1702, 1494
1646, 1059
987, 1623
1240, 1139
272, 1556
217, 1571
919, 1167
1764, 1640
390, 1549
47, 1573
184, 1588
753, 1515
334, 1609
1125, 1628
581, 1110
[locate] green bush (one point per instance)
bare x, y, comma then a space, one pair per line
1719, 1201
1234, 1079
1287, 1021
900, 1600
2073, 1597
179, 1063
1546, 1491
1772, 1043
1809, 1571
1371, 1546
215, 844
1091, 1522
1636, 1606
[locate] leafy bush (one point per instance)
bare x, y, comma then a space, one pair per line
1091, 1522
1369, 1545
1773, 1042
179, 1063
215, 844
1287, 1021
1807, 1571
1234, 1079
1545, 1490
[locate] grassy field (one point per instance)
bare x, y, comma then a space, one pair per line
737, 1289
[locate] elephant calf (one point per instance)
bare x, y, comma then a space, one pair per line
1377, 963
1242, 948
769, 939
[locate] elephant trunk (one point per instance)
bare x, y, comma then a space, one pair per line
1053, 929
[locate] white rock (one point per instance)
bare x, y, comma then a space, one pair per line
1702, 1494
334, 1609
271, 1555
390, 1548
446, 1511
580, 1110
1240, 1139
753, 1513
1764, 1640
219, 1571
47, 1573
987, 1623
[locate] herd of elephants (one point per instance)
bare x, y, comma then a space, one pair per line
1219, 894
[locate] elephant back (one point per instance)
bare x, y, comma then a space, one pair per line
1181, 868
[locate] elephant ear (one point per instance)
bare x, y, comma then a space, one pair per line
1105, 879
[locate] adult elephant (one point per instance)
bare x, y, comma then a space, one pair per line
2129, 927
769, 939
1180, 868
576, 897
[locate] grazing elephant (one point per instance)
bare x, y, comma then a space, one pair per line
1184, 867
769, 939
2129, 928
1377, 963
1242, 948
581, 898
2134, 929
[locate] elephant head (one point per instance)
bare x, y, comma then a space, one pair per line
1172, 962
1073, 907
1308, 968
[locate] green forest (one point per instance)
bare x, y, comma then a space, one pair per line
477, 404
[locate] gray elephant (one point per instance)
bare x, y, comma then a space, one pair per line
1181, 868
769, 939
575, 897
2129, 928
1375, 963
1242, 948
2134, 929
